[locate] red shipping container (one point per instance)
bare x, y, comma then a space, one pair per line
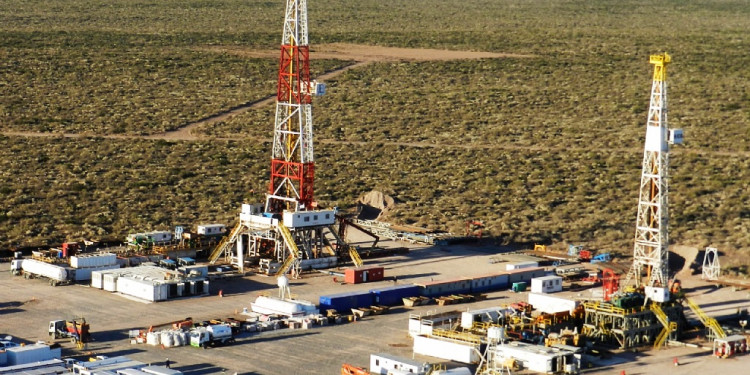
364, 274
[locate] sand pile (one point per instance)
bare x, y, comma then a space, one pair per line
374, 205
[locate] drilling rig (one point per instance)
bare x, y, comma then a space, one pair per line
289, 228
629, 319
652, 222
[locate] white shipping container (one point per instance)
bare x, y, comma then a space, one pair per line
453, 350
546, 284
93, 260
47, 270
549, 304
83, 274
212, 229
97, 279
109, 282
149, 290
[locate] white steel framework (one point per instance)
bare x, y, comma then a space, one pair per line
651, 234
711, 266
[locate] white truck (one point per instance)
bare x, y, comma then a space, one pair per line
215, 334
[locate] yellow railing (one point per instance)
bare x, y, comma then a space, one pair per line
291, 245
707, 321
219, 249
356, 259
460, 336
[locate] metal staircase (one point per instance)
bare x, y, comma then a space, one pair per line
356, 259
669, 327
294, 253
225, 243
707, 321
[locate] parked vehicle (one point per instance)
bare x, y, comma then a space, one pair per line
215, 334
31, 268
76, 330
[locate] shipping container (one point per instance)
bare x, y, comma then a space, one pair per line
550, 305
343, 302
93, 260
444, 287
20, 355
489, 282
52, 366
453, 350
364, 274
85, 274
546, 284
392, 295
521, 265
149, 290
524, 274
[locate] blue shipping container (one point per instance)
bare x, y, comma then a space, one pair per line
343, 302
444, 287
392, 295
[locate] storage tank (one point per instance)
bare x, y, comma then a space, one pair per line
50, 271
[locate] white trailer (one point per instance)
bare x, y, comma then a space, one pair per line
382, 363
445, 348
546, 284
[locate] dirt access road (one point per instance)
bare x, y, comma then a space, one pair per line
360, 54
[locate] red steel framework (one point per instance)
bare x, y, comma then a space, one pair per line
292, 164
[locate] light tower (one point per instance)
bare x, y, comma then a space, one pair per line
651, 233
292, 163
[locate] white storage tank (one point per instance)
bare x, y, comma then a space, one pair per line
546, 284
47, 270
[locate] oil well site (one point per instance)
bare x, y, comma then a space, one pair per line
292, 187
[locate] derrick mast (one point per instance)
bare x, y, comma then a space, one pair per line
651, 234
292, 163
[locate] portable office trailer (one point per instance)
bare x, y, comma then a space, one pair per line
301, 219
445, 348
444, 287
364, 274
546, 284
382, 363
343, 302
524, 274
393, 295
551, 304
212, 229
489, 282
